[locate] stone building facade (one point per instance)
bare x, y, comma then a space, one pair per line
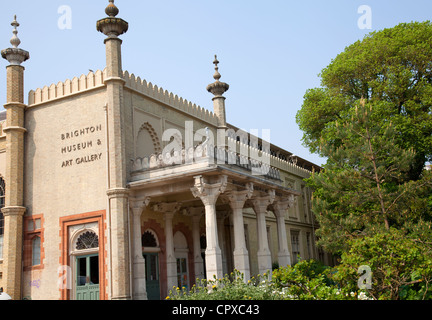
133, 190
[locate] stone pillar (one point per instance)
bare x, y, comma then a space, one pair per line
220, 218
14, 176
237, 200
170, 254
139, 273
280, 207
118, 205
260, 205
196, 214
209, 193
113, 27
169, 209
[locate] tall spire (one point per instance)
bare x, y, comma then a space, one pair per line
14, 55
218, 88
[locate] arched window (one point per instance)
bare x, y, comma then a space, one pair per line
36, 251
149, 240
88, 240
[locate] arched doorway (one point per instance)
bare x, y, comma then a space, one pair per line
151, 251
87, 277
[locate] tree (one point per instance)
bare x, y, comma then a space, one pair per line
393, 67
372, 119
364, 188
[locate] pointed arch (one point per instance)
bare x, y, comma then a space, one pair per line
147, 135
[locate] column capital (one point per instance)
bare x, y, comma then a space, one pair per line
118, 193
13, 211
167, 207
209, 193
260, 203
194, 212
238, 198
139, 204
281, 204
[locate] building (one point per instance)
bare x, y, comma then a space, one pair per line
113, 188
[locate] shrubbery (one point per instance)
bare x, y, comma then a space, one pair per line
307, 280
401, 270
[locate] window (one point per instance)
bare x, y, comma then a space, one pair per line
2, 204
149, 240
182, 273
33, 242
295, 244
36, 251
88, 240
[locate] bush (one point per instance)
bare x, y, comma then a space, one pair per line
231, 287
307, 280
401, 267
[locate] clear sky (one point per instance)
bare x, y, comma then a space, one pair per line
270, 52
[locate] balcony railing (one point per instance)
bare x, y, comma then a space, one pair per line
213, 155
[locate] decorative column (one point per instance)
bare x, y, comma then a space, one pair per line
221, 216
209, 193
218, 89
196, 214
280, 207
14, 204
117, 192
237, 200
260, 205
139, 275
169, 209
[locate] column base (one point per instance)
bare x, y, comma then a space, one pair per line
264, 262
139, 281
171, 273
241, 262
284, 259
214, 264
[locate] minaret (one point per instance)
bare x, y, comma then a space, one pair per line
14, 210
118, 194
218, 89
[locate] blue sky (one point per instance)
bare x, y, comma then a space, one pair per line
270, 52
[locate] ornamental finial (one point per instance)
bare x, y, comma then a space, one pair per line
217, 88
14, 55
217, 75
15, 41
111, 10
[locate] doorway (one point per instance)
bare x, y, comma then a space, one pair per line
87, 277
152, 275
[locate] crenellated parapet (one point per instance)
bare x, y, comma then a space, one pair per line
161, 95
95, 80
92, 80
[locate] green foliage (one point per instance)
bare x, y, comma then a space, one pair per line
392, 67
231, 287
365, 186
401, 266
307, 280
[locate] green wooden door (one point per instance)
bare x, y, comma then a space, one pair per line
87, 277
152, 276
